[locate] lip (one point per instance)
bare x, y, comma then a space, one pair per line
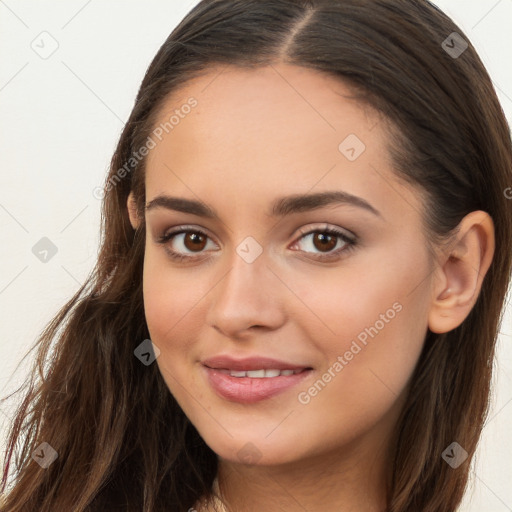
250, 363
249, 389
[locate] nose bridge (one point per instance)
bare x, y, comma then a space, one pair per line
248, 294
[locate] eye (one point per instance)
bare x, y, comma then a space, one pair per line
326, 243
185, 243
329, 242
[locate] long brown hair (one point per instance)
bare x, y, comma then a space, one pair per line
123, 443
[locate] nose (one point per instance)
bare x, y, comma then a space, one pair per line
249, 297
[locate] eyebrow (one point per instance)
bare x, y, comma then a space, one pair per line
280, 207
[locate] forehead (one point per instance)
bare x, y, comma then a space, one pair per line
265, 107
265, 130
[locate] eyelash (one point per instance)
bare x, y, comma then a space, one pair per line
350, 243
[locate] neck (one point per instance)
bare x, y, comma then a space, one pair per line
348, 479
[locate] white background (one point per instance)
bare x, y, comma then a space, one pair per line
60, 119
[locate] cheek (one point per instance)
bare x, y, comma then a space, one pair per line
373, 324
378, 290
366, 367
364, 382
172, 303
172, 300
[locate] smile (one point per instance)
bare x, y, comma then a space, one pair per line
253, 379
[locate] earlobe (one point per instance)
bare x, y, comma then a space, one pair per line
461, 272
132, 211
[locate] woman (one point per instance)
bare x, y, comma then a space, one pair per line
305, 258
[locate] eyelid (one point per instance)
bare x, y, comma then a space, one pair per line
186, 227
316, 228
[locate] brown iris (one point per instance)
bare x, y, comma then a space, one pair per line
194, 241
324, 241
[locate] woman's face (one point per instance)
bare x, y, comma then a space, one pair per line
297, 249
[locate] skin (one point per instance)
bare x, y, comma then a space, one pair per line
254, 136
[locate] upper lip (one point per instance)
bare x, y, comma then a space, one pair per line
250, 363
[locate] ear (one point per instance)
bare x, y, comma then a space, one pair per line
132, 211
462, 272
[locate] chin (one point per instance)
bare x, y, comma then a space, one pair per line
252, 451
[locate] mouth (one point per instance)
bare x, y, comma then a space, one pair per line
253, 379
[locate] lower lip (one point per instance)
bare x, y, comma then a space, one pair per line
249, 390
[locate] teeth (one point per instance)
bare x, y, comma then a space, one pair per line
256, 374
260, 374
238, 373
